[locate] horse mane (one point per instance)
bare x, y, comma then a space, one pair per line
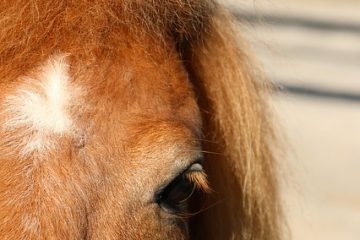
239, 137
237, 128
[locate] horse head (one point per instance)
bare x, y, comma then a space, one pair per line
131, 120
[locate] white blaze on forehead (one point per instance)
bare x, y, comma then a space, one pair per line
41, 103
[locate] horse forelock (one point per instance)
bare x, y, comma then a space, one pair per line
32, 31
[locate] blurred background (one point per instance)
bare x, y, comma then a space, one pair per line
311, 50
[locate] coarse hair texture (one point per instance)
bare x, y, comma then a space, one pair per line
236, 124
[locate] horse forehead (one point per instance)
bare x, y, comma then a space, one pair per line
47, 102
140, 85
38, 105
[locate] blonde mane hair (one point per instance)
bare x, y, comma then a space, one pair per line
237, 128
239, 137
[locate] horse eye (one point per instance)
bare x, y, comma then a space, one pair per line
174, 197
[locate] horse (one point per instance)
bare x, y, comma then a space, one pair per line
129, 119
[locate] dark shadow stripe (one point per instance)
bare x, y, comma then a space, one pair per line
294, 21
318, 93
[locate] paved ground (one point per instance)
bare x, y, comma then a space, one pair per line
312, 49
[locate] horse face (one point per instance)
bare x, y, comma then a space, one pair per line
107, 149
146, 131
99, 127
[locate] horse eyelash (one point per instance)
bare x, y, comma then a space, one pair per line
199, 179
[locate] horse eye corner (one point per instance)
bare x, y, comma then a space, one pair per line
175, 197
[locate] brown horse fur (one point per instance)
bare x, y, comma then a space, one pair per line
137, 77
